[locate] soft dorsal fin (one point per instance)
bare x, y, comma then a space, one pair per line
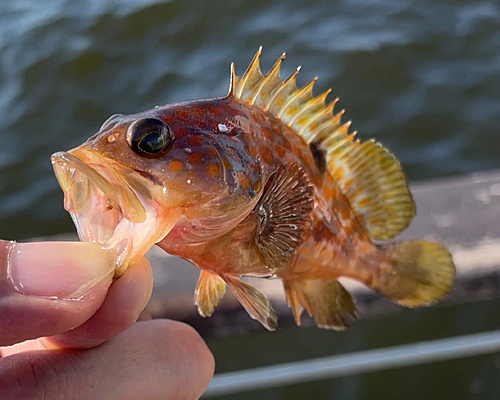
368, 174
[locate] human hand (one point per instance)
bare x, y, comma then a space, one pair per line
60, 299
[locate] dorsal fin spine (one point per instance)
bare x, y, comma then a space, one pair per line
324, 131
309, 108
317, 121
252, 69
368, 174
273, 72
288, 81
341, 130
233, 83
305, 91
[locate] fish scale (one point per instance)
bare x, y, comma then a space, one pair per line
264, 182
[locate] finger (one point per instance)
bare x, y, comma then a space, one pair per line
28, 345
50, 287
156, 359
125, 301
145, 315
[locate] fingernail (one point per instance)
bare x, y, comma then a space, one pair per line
65, 270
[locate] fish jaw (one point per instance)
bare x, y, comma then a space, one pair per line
112, 205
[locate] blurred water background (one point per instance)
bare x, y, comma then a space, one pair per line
423, 77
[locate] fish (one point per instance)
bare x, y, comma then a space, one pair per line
265, 182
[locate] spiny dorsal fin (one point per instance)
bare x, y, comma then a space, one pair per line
368, 174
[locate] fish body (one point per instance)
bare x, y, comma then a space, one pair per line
264, 182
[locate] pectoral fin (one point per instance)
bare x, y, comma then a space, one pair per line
285, 211
328, 302
209, 290
254, 302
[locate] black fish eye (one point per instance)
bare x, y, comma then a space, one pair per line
149, 136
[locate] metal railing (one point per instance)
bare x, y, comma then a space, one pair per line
355, 363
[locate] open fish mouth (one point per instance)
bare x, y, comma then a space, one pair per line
110, 205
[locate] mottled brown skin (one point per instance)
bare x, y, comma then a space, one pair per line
255, 146
223, 154
264, 182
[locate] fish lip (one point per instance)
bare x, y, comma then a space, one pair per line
113, 186
130, 224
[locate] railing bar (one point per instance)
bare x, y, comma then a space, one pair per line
355, 363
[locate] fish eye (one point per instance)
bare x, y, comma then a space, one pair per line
149, 136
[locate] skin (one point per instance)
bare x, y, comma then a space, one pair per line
66, 328
265, 182
215, 176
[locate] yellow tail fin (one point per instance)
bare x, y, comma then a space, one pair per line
419, 273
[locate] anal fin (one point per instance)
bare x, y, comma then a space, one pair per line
209, 290
256, 304
328, 302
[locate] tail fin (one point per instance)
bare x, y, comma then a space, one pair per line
419, 273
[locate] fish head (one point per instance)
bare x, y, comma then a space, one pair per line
147, 176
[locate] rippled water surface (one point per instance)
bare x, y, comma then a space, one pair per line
421, 76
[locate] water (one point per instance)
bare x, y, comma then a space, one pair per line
421, 76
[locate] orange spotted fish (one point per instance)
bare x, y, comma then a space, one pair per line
264, 182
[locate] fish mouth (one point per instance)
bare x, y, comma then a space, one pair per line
111, 204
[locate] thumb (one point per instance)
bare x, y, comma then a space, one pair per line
50, 287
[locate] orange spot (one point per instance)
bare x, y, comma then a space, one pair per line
288, 145
317, 180
280, 150
176, 165
194, 158
243, 179
348, 184
327, 191
212, 152
302, 121
312, 126
266, 155
307, 161
365, 202
338, 174
297, 151
213, 169
267, 133
345, 213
